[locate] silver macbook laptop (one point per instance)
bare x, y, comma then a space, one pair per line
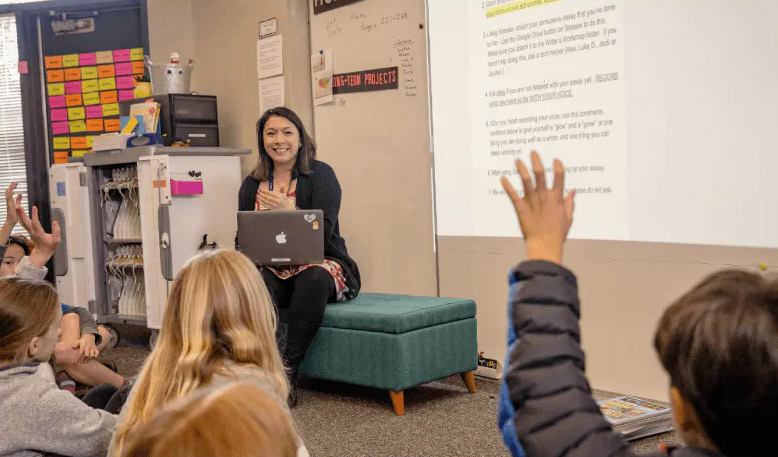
282, 237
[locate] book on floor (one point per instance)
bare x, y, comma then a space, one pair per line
635, 417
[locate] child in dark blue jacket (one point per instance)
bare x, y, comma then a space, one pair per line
718, 343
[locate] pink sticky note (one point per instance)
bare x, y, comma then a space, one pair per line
125, 95
73, 87
86, 59
59, 115
57, 101
58, 128
124, 82
94, 111
124, 68
121, 55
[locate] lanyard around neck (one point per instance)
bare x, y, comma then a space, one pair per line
292, 175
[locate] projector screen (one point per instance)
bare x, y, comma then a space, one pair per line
664, 113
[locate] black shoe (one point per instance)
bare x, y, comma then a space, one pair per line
292, 399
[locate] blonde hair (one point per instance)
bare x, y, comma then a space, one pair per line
27, 309
238, 419
219, 314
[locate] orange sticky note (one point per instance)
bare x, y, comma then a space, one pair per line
91, 98
70, 60
53, 61
55, 76
108, 96
60, 156
107, 83
138, 68
94, 125
73, 100
88, 72
112, 125
104, 57
90, 85
78, 142
72, 74
106, 71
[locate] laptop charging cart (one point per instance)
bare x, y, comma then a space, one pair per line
132, 217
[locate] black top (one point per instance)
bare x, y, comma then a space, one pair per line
555, 412
318, 190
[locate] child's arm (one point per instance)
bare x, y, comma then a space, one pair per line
90, 337
45, 243
555, 412
11, 202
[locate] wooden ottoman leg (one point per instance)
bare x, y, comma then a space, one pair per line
469, 381
398, 402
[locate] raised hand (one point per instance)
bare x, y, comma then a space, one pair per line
545, 215
11, 203
45, 243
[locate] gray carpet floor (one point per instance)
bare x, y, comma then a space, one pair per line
441, 418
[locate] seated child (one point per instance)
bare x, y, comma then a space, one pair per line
236, 418
219, 325
36, 417
718, 343
81, 339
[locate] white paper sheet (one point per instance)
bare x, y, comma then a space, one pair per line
270, 60
271, 93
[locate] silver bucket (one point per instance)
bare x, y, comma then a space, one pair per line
170, 78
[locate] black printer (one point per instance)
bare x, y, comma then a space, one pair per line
184, 117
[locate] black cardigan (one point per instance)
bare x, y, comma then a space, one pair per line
318, 190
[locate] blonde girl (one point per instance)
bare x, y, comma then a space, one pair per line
234, 419
219, 324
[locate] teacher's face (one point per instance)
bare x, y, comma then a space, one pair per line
282, 140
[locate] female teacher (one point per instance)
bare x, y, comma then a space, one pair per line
289, 177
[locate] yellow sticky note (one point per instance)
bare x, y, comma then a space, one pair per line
77, 153
91, 98
77, 126
107, 83
70, 60
88, 72
104, 57
130, 125
110, 109
61, 142
89, 141
76, 113
136, 54
90, 85
55, 88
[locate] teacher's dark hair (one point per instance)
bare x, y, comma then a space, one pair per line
307, 146
719, 343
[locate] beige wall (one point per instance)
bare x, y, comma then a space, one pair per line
378, 144
222, 38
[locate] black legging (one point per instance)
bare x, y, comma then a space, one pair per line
300, 300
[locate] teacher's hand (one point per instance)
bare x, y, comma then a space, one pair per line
276, 200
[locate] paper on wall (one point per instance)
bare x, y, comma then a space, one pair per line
321, 75
270, 60
271, 93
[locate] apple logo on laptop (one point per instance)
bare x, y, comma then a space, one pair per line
281, 238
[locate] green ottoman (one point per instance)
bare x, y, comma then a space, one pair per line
395, 342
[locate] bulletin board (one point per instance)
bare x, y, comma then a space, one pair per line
83, 91
86, 75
